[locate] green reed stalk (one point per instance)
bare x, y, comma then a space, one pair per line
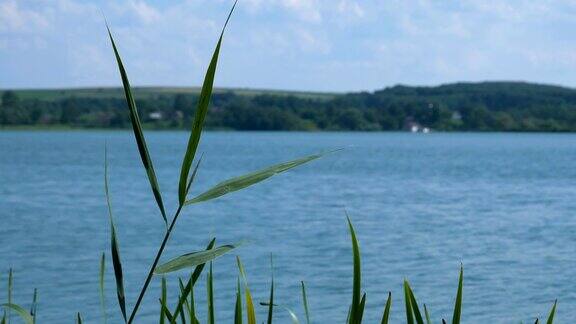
154, 264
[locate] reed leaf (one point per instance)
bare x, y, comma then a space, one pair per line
458, 303
193, 318
408, 302
78, 318
189, 289
34, 306
293, 317
10, 287
305, 302
163, 300
171, 318
186, 303
361, 308
138, 134
250, 311
271, 300
101, 287
182, 317
115, 249
193, 176
414, 303
194, 259
386, 315
552, 313
238, 308
428, 321
348, 316
26, 317
250, 179
200, 115
3, 321
357, 281
210, 295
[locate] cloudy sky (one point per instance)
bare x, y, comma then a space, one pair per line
322, 45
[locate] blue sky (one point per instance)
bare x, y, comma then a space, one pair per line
321, 45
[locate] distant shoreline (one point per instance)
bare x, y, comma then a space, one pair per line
65, 128
461, 107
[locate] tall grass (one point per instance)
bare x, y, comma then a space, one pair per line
184, 306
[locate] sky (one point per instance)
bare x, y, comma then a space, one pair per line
311, 45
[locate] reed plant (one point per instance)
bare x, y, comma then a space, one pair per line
183, 308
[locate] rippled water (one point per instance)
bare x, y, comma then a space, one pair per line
502, 204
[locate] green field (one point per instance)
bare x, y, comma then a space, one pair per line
154, 92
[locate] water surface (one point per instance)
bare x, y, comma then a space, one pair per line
501, 204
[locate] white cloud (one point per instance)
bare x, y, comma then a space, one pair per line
307, 10
13, 18
144, 11
311, 43
351, 9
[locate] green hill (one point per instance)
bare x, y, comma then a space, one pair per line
152, 92
485, 106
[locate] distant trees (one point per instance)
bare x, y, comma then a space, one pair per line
490, 106
11, 112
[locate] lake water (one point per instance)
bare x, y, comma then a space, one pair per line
503, 205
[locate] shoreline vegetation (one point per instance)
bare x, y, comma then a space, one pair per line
462, 107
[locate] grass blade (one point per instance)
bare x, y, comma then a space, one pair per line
348, 316
101, 287
118, 274
552, 312
194, 259
293, 316
137, 128
305, 301
20, 311
163, 299
238, 308
409, 317
78, 318
193, 318
210, 294
166, 312
458, 303
200, 115
182, 315
271, 301
193, 176
355, 308
10, 287
186, 303
189, 289
361, 307
3, 318
428, 321
34, 306
250, 312
250, 179
414, 304
386, 315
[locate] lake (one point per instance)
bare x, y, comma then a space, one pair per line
503, 205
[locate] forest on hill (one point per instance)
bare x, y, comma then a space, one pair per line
486, 106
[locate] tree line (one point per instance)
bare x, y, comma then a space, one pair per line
488, 106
